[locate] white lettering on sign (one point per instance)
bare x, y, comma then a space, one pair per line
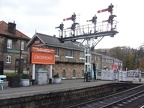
42, 57
43, 50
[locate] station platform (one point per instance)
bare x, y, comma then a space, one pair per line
9, 92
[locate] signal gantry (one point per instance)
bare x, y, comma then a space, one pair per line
99, 30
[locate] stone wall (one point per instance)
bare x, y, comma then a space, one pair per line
68, 67
61, 99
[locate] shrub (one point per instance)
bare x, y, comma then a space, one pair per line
11, 74
56, 75
25, 76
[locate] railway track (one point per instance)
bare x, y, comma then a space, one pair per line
130, 98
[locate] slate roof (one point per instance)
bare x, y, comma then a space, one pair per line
54, 42
4, 31
106, 57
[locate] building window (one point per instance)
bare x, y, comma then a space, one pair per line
8, 59
56, 51
69, 53
22, 45
74, 73
64, 74
9, 43
82, 54
82, 57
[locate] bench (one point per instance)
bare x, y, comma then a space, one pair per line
1, 81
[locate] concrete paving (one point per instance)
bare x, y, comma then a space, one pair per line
9, 92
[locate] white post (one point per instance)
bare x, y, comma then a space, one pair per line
126, 69
50, 74
134, 75
118, 74
33, 74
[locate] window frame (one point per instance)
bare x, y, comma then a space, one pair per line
74, 74
82, 56
8, 59
9, 43
22, 45
68, 53
56, 52
64, 74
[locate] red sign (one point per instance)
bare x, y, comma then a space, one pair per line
114, 67
42, 56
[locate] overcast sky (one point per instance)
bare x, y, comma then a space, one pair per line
43, 16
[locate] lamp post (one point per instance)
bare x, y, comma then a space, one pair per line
19, 68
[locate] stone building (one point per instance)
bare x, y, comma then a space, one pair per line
10, 41
69, 56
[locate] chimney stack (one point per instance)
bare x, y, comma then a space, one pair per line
12, 27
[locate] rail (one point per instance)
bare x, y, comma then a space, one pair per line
114, 100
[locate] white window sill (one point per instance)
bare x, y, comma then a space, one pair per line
63, 78
9, 48
81, 58
87, 55
68, 57
73, 77
8, 62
